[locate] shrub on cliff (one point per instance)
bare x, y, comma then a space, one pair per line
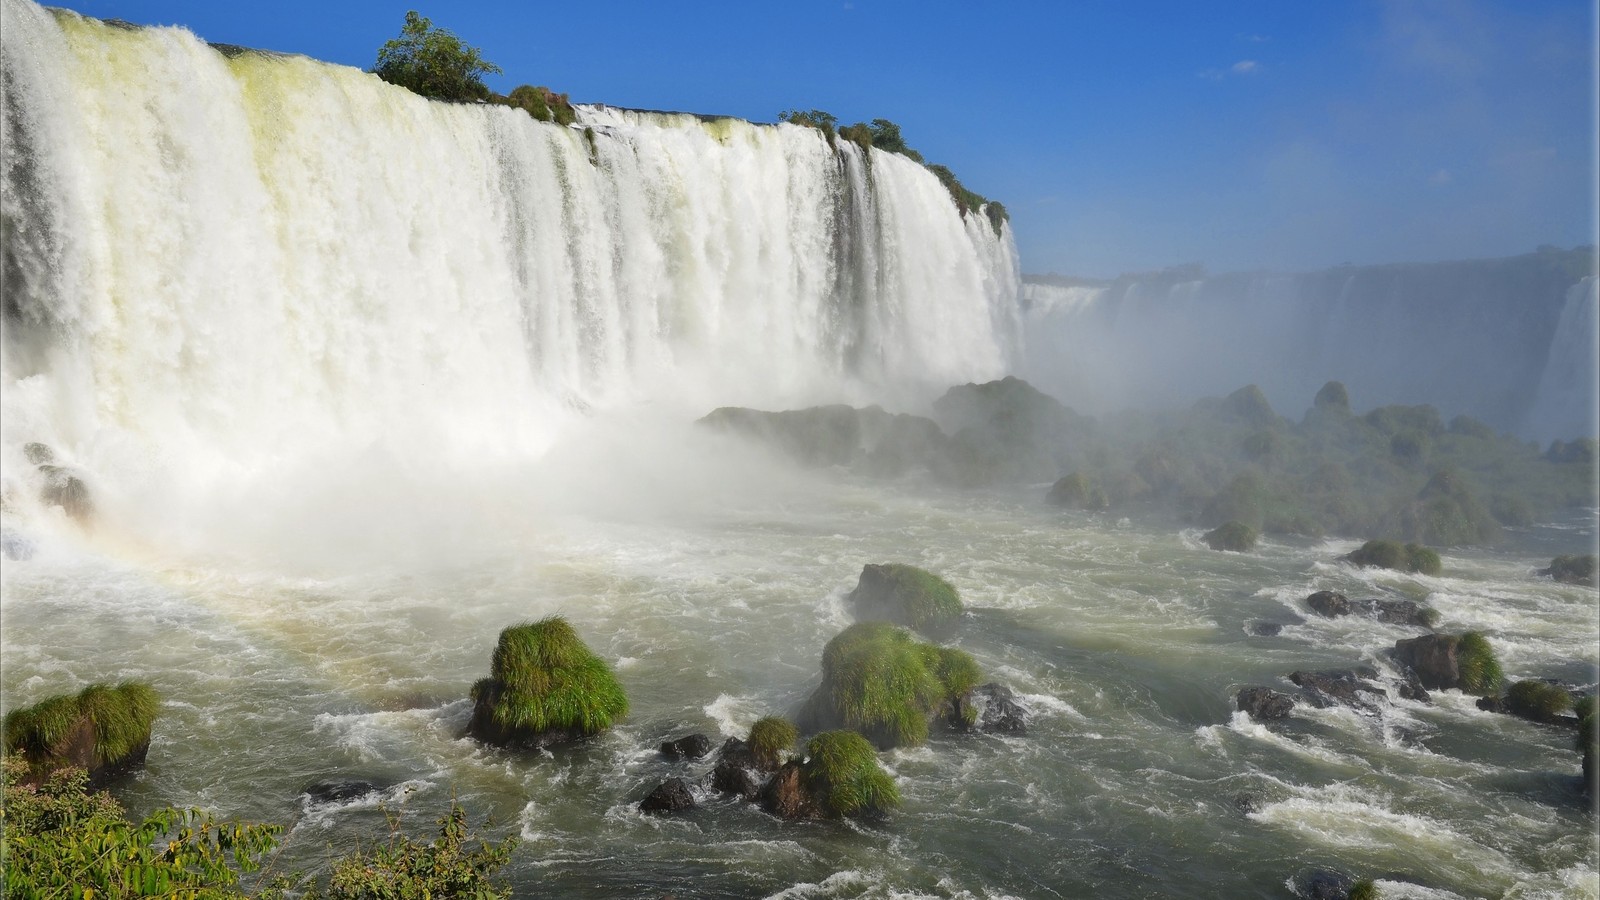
102, 728
905, 595
545, 686
880, 681
824, 122
843, 776
541, 103
433, 62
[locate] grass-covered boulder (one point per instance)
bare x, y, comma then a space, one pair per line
1445, 661
881, 681
1395, 555
1076, 491
545, 687
1446, 512
743, 767
771, 739
1579, 570
104, 730
1538, 701
1235, 536
905, 595
839, 777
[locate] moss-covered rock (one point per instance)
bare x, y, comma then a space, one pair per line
771, 739
1445, 661
1332, 396
905, 595
1235, 536
104, 730
1076, 491
545, 687
1385, 554
1579, 570
840, 777
880, 681
1249, 405
1538, 701
1446, 511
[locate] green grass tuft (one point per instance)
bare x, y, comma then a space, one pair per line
121, 717
770, 738
882, 682
544, 678
843, 774
1538, 700
1478, 668
1423, 561
1365, 889
906, 595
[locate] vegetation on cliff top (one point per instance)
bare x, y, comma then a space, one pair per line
433, 62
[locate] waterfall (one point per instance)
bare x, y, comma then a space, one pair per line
1508, 341
217, 262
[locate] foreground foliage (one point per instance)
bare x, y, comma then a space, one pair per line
61, 840
452, 865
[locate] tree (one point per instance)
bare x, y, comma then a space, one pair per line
433, 62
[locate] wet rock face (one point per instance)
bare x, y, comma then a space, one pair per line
1324, 884
787, 797
671, 796
693, 746
1333, 604
737, 771
1264, 704
1349, 687
1329, 603
339, 790
1266, 629
1001, 713
1432, 657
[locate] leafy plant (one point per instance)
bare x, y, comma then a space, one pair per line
448, 866
433, 62
824, 122
842, 772
63, 841
542, 104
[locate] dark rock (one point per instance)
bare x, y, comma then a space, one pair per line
1264, 704
1323, 884
80, 748
64, 489
1432, 657
1332, 396
1329, 603
1579, 570
693, 746
1491, 704
737, 771
1266, 629
483, 727
1411, 687
1401, 612
786, 796
671, 796
1000, 712
38, 454
1339, 686
15, 546
1247, 803
340, 790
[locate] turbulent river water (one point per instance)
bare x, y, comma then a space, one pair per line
356, 380
712, 576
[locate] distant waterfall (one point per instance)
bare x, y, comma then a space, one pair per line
216, 262
1508, 341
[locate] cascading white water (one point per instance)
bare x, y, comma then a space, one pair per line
216, 264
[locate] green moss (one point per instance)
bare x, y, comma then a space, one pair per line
1234, 536
1479, 669
770, 738
544, 677
1365, 889
905, 595
842, 773
121, 717
879, 680
1538, 700
1398, 556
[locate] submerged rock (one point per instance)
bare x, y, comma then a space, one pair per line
737, 771
63, 488
1332, 604
1329, 604
1266, 629
692, 746
671, 796
1344, 686
999, 711
1324, 884
339, 790
1264, 704
1579, 570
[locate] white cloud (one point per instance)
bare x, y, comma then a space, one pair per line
1254, 38
1245, 67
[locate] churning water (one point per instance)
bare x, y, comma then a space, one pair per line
357, 380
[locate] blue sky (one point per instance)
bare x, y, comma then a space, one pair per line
1280, 135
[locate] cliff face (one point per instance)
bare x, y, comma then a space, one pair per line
1509, 341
